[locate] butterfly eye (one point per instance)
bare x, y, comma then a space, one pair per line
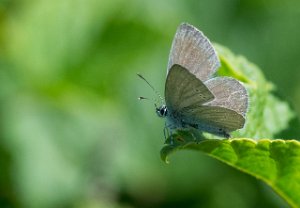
158, 112
162, 111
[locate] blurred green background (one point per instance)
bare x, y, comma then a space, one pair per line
72, 132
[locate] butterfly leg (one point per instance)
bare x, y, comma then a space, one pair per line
223, 133
171, 137
168, 128
166, 133
227, 135
197, 136
195, 139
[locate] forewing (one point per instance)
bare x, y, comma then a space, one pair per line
229, 93
184, 89
192, 50
214, 118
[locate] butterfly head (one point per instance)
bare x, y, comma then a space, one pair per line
162, 111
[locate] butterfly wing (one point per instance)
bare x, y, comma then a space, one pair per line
192, 50
229, 93
213, 119
183, 89
186, 96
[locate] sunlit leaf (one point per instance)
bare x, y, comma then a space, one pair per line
276, 162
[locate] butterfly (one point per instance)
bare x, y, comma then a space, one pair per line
194, 99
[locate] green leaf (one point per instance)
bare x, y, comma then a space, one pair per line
276, 162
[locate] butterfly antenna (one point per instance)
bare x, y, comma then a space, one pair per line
153, 100
155, 91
